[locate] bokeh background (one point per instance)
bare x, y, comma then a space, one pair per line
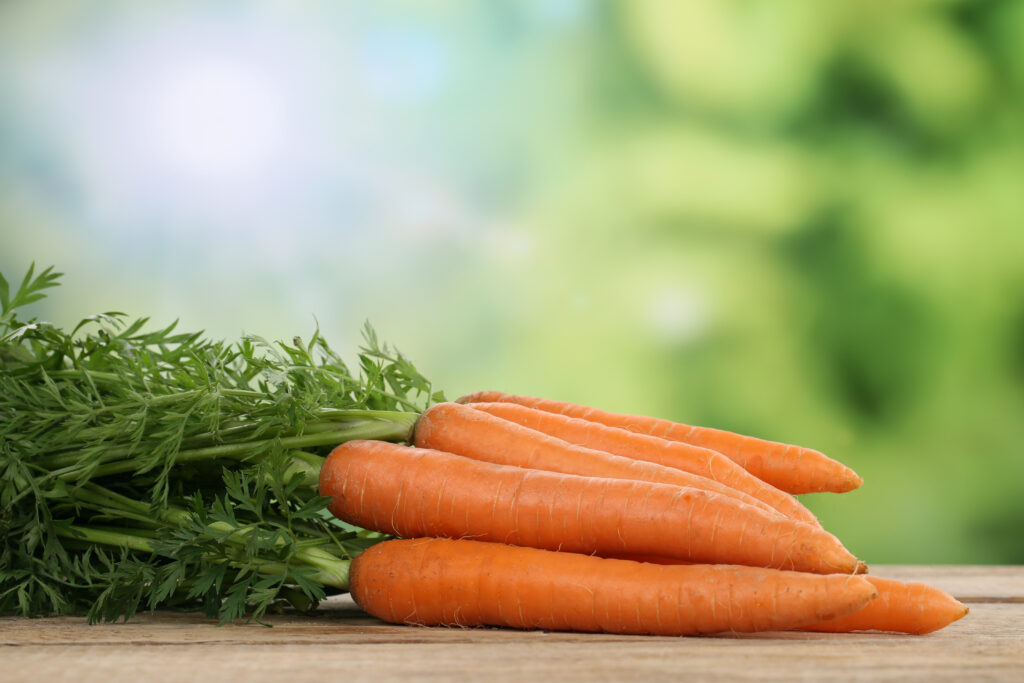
797, 219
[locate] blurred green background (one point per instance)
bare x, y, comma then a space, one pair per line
797, 219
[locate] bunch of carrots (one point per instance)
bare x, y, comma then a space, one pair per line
531, 513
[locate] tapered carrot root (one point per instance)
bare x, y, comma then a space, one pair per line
901, 607
463, 430
915, 608
432, 581
793, 469
413, 492
682, 456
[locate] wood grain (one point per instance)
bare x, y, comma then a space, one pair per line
342, 643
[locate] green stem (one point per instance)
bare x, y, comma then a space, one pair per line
108, 500
327, 420
98, 495
114, 378
312, 459
330, 571
383, 431
243, 427
305, 466
338, 420
297, 599
326, 562
398, 416
106, 537
69, 456
333, 572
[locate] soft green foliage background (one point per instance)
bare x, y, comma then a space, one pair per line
796, 219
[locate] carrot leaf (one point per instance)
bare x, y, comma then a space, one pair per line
146, 467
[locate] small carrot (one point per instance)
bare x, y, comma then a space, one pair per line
413, 492
901, 607
793, 469
694, 459
463, 430
442, 582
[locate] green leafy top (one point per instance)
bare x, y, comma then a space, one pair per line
30, 290
161, 467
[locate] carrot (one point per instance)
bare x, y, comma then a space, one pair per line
901, 607
683, 456
476, 434
413, 492
793, 469
915, 608
442, 582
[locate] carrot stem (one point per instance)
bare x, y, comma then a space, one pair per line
391, 425
106, 537
377, 430
330, 571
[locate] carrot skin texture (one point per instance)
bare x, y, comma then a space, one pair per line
790, 468
464, 430
915, 608
413, 492
443, 582
653, 559
694, 459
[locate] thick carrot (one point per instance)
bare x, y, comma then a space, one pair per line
463, 430
442, 582
901, 607
413, 492
683, 456
793, 469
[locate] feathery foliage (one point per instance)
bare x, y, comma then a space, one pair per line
152, 468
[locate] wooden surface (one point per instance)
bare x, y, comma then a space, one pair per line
343, 644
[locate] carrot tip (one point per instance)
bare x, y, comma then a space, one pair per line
959, 614
964, 610
862, 568
854, 481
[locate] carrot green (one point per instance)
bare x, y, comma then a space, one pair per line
145, 468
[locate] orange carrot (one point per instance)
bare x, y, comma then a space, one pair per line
901, 607
683, 456
793, 469
413, 492
441, 582
463, 430
915, 608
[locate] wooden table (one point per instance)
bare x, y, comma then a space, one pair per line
342, 644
